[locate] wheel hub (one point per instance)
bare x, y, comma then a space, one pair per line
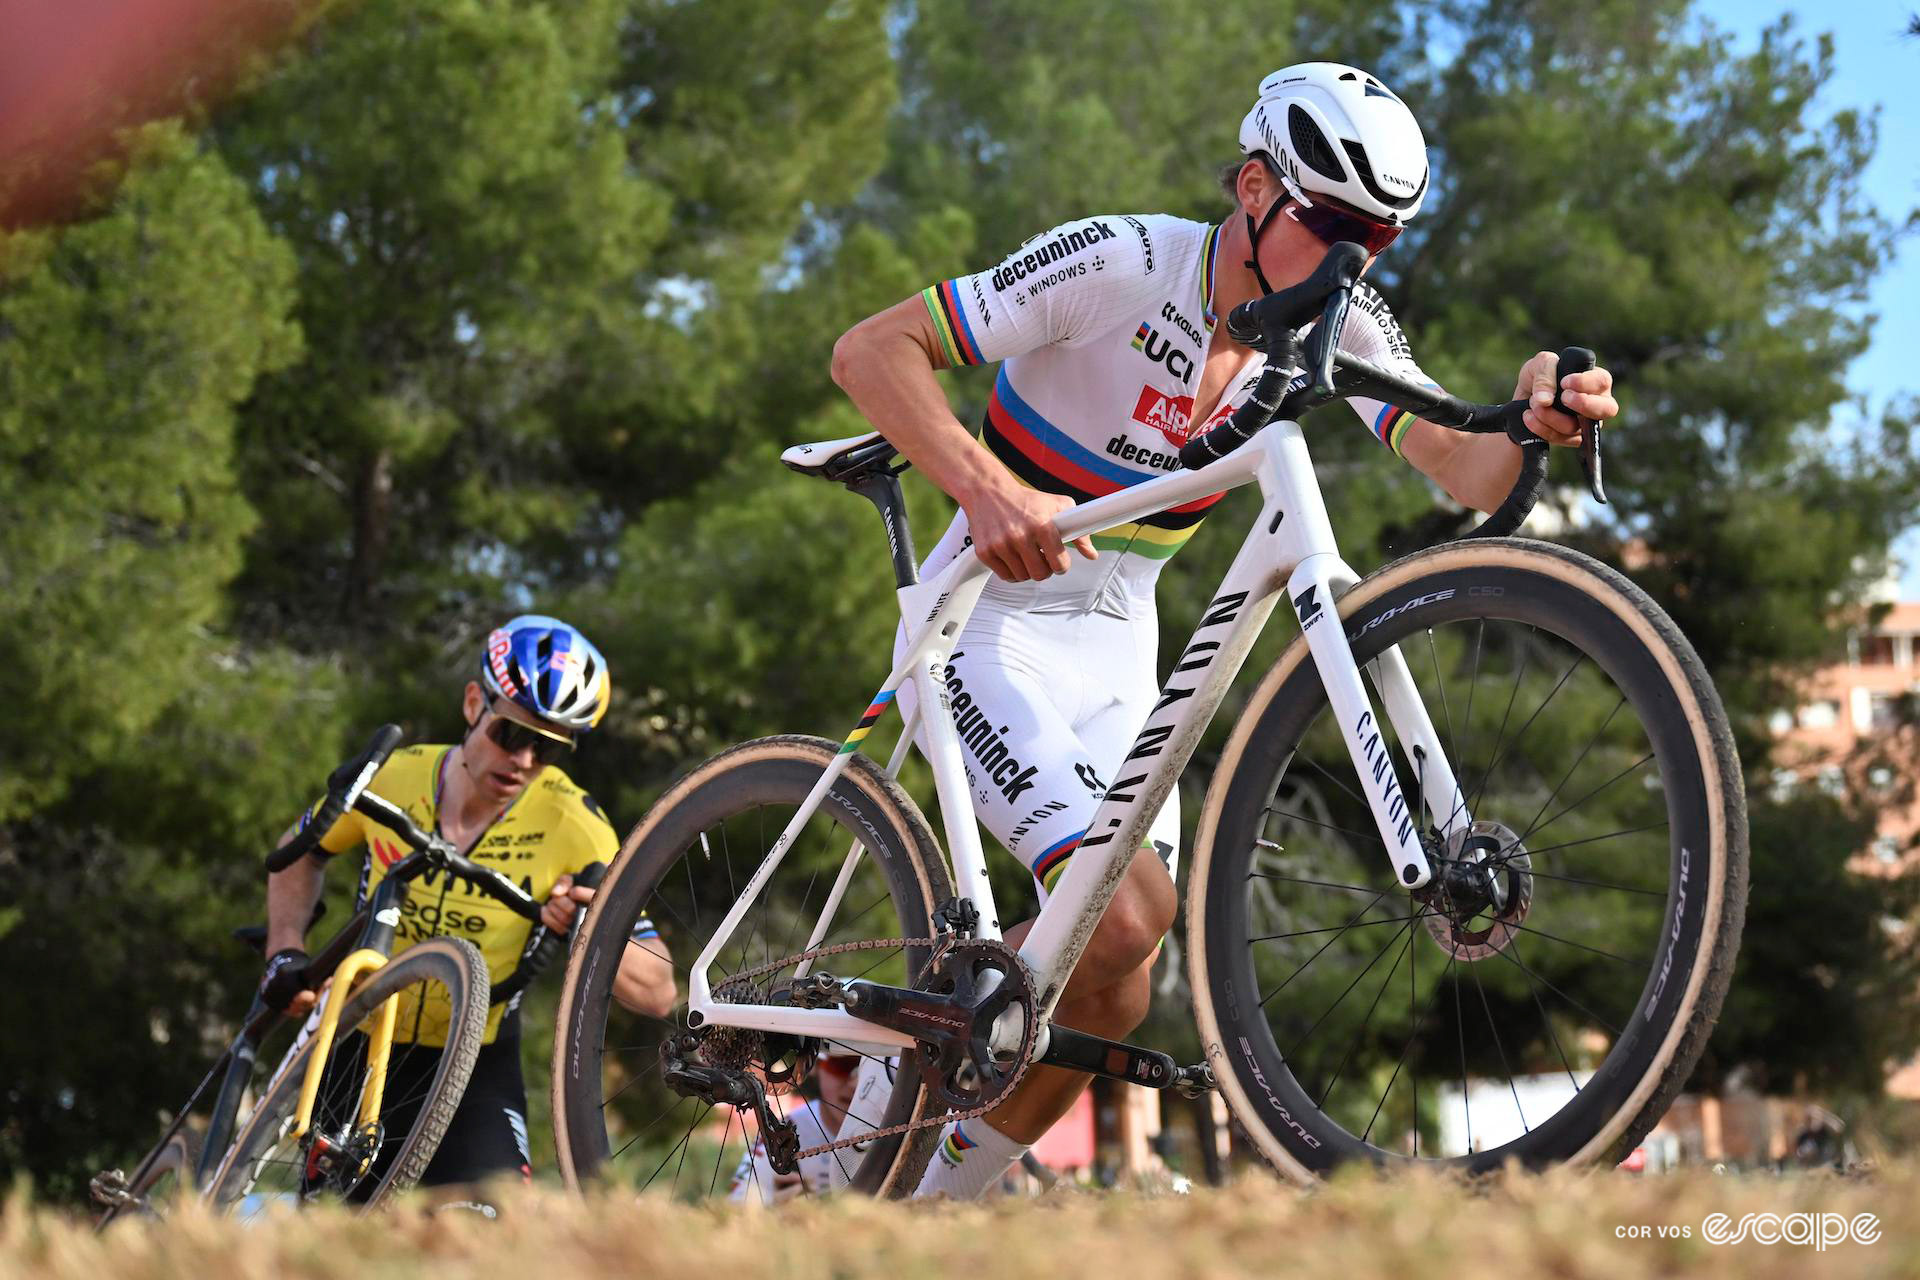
1481, 891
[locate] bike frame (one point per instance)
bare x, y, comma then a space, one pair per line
1291, 547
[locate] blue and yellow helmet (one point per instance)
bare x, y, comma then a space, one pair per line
549, 669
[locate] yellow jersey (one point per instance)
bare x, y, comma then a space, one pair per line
553, 828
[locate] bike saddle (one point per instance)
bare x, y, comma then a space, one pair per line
842, 460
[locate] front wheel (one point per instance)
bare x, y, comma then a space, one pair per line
440, 982
1548, 994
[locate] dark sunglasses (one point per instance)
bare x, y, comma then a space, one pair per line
1331, 223
513, 737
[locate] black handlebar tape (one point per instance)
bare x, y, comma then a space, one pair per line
550, 946
1241, 426
344, 786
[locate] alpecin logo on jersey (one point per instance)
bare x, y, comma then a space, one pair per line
1158, 348
1013, 270
1172, 416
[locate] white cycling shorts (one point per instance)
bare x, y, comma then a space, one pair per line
1049, 683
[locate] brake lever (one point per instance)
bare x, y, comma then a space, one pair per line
1579, 360
1326, 338
1590, 461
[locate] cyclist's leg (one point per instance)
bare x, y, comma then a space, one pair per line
1017, 683
487, 1137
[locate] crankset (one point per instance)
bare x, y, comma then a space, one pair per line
971, 1011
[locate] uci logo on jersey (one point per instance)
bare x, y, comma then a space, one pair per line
1149, 342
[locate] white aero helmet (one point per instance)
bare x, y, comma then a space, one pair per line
1335, 130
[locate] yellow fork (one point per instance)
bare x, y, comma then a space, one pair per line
379, 1042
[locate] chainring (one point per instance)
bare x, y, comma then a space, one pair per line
1006, 1077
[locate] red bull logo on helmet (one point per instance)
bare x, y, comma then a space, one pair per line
499, 646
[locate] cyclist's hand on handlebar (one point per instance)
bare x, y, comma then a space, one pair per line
1588, 394
559, 909
284, 986
1013, 532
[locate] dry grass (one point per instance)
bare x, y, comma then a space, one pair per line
1561, 1225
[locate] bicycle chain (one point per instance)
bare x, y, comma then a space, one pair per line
941, 946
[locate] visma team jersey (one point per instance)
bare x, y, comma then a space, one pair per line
1103, 326
552, 829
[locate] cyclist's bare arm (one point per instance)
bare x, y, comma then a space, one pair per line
886, 364
644, 982
291, 895
1478, 470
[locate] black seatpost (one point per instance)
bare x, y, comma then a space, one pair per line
882, 489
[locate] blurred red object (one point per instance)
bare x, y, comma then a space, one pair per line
73, 74
1636, 1161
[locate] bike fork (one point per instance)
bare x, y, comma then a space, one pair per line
1314, 588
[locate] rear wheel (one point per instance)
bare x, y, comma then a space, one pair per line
166, 1182
676, 877
337, 1158
1547, 996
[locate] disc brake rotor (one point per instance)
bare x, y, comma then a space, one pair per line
1481, 892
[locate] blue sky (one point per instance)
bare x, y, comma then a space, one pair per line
1874, 64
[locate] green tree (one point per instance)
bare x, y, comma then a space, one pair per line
126, 342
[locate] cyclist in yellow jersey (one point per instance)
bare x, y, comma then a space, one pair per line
500, 796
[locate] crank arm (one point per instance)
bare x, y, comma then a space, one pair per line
1109, 1059
926, 1016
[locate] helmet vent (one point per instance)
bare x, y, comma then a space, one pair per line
1372, 184
1310, 146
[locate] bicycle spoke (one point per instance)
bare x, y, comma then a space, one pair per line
1596, 791
1323, 946
1345, 831
1611, 835
1560, 684
1405, 928
1418, 1023
1566, 777
1534, 991
1367, 1018
1337, 928
1597, 884
1494, 1029
1324, 884
1543, 981
1527, 928
1500, 734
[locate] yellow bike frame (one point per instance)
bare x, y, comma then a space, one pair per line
380, 1041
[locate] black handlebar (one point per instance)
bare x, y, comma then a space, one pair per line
544, 946
344, 787
1273, 325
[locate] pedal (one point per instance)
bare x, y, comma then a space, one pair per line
1078, 1051
109, 1190
1195, 1081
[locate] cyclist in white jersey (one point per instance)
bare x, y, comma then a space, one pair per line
1110, 358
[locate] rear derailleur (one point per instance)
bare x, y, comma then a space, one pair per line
732, 1087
